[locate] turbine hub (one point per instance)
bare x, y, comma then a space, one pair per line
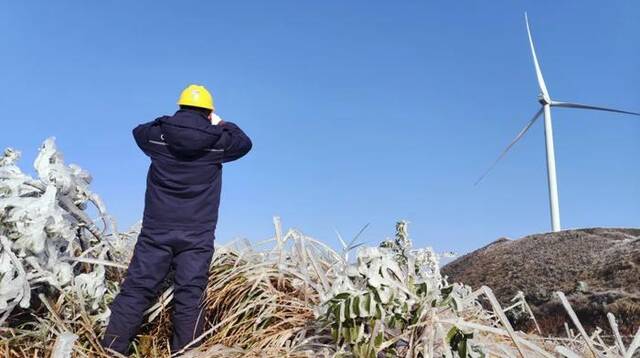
542, 100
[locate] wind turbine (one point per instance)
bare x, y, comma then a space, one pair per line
546, 103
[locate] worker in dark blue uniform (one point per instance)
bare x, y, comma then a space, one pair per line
180, 215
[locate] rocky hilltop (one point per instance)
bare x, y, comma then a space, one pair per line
598, 269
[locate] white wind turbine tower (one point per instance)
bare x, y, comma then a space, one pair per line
546, 103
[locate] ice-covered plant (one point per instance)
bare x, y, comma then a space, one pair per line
379, 300
45, 232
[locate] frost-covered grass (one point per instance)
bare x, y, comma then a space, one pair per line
290, 295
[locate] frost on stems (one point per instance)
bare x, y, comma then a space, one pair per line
64, 345
378, 304
42, 222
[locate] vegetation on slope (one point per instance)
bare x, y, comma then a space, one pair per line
598, 269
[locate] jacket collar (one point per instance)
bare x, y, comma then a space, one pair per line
190, 112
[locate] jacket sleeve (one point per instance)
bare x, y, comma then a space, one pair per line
232, 140
143, 133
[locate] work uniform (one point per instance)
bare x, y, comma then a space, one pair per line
180, 216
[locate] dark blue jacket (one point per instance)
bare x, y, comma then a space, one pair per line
185, 175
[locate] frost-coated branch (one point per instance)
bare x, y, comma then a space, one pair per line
41, 222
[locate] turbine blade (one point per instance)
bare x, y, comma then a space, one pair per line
586, 106
513, 142
541, 84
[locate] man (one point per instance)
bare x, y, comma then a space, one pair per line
180, 215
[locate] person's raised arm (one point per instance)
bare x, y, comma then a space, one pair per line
143, 133
231, 139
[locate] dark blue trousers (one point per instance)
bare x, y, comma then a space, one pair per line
156, 250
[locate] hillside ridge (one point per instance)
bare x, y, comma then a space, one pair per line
598, 269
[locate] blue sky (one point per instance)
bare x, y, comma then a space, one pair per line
360, 112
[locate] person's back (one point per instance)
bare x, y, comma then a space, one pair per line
187, 152
181, 212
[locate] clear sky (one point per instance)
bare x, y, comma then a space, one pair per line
360, 111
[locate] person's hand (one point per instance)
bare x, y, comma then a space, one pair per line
215, 120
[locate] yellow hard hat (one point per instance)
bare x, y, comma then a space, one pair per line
196, 96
